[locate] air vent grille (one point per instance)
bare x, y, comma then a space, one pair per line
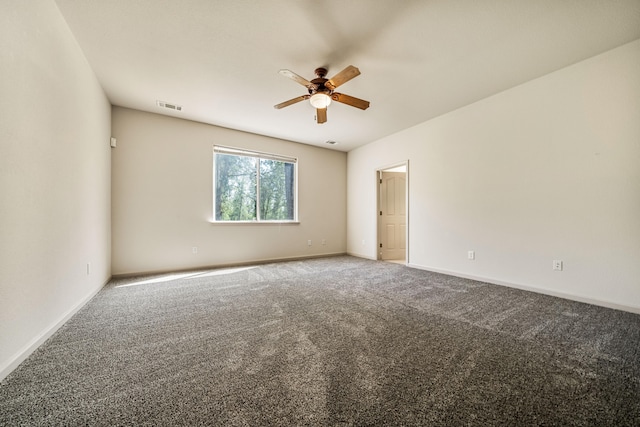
169, 106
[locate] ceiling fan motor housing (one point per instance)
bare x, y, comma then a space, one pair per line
319, 82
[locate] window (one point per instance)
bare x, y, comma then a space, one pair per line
252, 186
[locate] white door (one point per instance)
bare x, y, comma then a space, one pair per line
393, 216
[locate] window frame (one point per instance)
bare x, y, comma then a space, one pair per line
258, 155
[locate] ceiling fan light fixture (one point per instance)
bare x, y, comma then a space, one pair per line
320, 100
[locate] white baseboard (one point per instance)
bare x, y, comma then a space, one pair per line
38, 340
362, 256
550, 292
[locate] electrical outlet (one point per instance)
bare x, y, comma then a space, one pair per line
324, 242
471, 255
308, 242
194, 249
557, 265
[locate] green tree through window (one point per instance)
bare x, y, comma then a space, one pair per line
253, 186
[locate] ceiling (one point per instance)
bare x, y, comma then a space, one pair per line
419, 59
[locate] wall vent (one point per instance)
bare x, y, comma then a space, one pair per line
169, 106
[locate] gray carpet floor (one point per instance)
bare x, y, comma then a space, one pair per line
333, 341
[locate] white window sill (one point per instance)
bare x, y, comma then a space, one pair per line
254, 222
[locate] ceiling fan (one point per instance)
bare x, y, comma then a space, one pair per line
321, 91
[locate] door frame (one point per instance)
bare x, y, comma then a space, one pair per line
379, 171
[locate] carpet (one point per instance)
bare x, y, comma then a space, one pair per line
335, 341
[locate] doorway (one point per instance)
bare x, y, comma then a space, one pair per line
392, 213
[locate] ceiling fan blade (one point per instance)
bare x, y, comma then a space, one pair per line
321, 115
293, 76
290, 102
350, 100
342, 77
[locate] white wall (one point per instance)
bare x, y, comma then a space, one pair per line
54, 178
546, 170
162, 192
